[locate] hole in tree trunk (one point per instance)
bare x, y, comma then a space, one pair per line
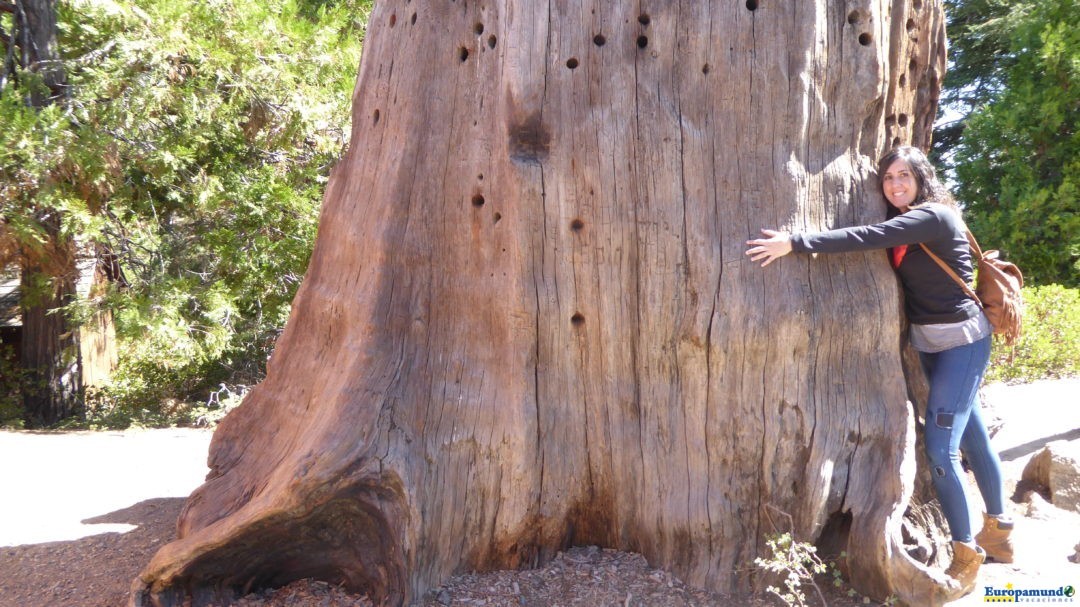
491, 41
577, 319
642, 41
478, 28
833, 538
751, 4
576, 225
866, 38
572, 62
478, 201
599, 40
643, 19
463, 54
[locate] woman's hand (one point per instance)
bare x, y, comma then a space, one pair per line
774, 246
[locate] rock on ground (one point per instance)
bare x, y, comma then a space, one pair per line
1056, 469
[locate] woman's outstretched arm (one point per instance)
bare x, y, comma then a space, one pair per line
928, 223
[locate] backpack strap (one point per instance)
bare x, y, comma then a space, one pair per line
975, 248
950, 272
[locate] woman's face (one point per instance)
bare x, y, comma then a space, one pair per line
899, 185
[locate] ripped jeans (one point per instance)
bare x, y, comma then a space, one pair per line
954, 424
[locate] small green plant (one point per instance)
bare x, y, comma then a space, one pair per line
796, 563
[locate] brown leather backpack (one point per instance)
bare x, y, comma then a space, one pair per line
997, 289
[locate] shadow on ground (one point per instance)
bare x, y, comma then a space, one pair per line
85, 572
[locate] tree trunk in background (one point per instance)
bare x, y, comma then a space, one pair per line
50, 348
35, 34
98, 268
529, 321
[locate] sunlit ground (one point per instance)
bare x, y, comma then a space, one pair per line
51, 483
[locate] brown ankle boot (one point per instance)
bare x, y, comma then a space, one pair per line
994, 539
965, 565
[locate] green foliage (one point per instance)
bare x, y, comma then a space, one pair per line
193, 145
1017, 159
1050, 345
145, 397
978, 60
12, 384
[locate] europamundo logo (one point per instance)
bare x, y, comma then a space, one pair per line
1012, 594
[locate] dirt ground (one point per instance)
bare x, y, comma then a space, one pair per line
81, 513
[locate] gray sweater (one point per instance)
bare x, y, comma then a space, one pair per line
930, 295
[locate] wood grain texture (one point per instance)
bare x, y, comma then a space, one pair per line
529, 323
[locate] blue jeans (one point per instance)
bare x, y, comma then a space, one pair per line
954, 424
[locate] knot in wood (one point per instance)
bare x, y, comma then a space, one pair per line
529, 140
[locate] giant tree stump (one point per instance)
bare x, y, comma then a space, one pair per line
529, 323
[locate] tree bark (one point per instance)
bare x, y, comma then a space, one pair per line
35, 34
96, 336
50, 355
49, 348
529, 322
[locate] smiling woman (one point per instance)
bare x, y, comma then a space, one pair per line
949, 331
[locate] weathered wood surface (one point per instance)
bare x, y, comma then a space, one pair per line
49, 349
529, 322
